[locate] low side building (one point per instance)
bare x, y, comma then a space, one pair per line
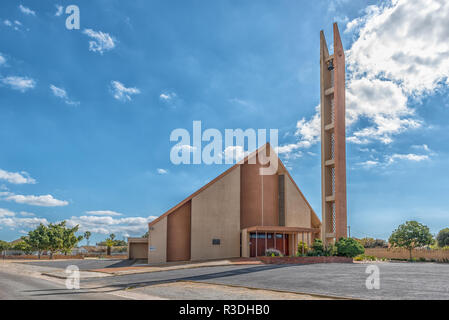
241, 213
138, 248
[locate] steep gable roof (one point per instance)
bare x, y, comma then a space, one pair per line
315, 220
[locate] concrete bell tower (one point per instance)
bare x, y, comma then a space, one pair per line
333, 140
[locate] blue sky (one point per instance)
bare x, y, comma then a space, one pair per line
86, 115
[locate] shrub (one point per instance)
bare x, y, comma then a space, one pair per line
372, 243
330, 250
348, 247
364, 257
422, 259
302, 248
273, 253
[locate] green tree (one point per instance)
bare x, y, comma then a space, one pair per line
3, 247
22, 246
109, 244
70, 240
112, 236
56, 238
443, 237
349, 247
61, 238
38, 239
87, 235
410, 235
146, 235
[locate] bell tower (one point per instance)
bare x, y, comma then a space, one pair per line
333, 140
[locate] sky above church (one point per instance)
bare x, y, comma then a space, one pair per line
86, 114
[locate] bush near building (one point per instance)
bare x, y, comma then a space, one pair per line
273, 253
349, 247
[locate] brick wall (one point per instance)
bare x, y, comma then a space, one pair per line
399, 253
303, 260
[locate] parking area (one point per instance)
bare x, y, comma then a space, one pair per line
397, 280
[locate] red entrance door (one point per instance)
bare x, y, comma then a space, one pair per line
260, 242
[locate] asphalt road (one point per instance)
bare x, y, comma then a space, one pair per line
83, 265
397, 280
20, 287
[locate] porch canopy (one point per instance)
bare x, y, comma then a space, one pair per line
287, 244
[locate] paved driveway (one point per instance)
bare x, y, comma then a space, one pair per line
397, 280
19, 287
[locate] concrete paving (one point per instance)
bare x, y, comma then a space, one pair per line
20, 287
397, 280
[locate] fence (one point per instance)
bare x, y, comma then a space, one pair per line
77, 253
400, 253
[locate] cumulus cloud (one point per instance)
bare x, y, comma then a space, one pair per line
2, 59
409, 157
234, 154
62, 93
107, 224
27, 11
122, 93
10, 219
101, 41
400, 54
104, 213
41, 201
308, 132
18, 83
16, 177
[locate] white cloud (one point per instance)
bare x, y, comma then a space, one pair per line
6, 213
184, 148
122, 93
409, 157
59, 10
26, 214
308, 132
27, 11
2, 59
16, 177
234, 153
14, 25
162, 171
104, 213
101, 41
106, 224
400, 53
369, 164
10, 219
61, 93
18, 83
41, 201
167, 96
